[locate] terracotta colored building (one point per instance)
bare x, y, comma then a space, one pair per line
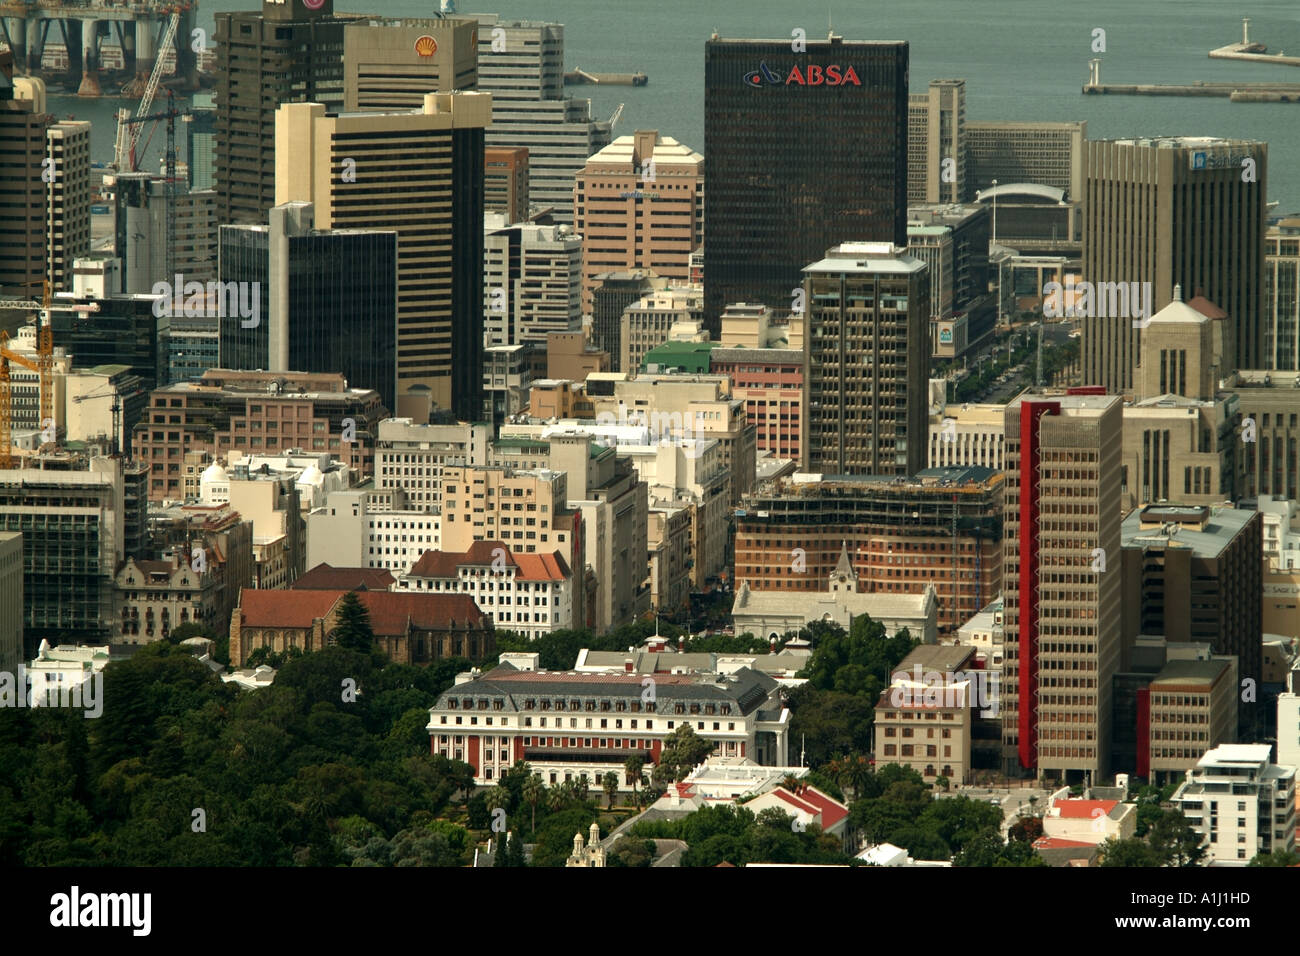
254, 412
943, 527
770, 383
409, 628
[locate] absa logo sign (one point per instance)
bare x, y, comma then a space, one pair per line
811, 75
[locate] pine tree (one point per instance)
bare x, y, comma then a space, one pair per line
352, 625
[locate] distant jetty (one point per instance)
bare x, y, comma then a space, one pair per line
1235, 92
1252, 52
581, 77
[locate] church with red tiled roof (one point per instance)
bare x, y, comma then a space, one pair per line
410, 628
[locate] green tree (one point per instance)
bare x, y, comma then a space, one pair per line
631, 852
684, 750
1130, 852
610, 784
632, 767
1174, 840
515, 851
1276, 858
533, 792
352, 625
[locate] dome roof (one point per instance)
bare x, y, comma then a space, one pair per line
213, 472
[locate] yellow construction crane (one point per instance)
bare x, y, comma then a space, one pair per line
43, 366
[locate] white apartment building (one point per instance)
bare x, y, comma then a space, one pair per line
1288, 723
1281, 539
532, 281
1240, 802
531, 594
966, 435
413, 457
368, 529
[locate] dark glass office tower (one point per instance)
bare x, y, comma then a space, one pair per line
330, 299
802, 151
243, 255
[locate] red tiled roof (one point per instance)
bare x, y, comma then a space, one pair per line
323, 577
542, 567
267, 608
1207, 308
1058, 843
443, 564
785, 796
832, 810
390, 611
1083, 809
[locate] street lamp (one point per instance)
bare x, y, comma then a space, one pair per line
994, 242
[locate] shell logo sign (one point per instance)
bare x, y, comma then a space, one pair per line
426, 46
313, 4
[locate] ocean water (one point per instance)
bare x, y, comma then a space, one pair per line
1021, 59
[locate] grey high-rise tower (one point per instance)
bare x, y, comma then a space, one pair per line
522, 65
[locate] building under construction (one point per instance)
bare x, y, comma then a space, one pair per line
943, 527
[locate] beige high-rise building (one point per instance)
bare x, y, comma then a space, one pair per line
67, 199
650, 321
936, 143
686, 407
23, 123
419, 174
1062, 587
866, 365
1282, 306
1181, 440
639, 204
390, 64
1188, 211
525, 510
505, 182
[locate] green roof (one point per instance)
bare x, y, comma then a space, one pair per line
690, 356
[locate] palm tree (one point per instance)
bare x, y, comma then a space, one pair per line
633, 766
533, 791
791, 783
581, 787
556, 798
610, 783
498, 797
855, 774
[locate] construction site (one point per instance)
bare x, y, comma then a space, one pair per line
942, 527
102, 47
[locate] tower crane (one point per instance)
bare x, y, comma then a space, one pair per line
127, 138
116, 407
170, 169
43, 366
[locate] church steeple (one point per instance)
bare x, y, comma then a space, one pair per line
844, 578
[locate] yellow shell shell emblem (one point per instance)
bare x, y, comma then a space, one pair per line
426, 46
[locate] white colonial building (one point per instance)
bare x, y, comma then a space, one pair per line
569, 725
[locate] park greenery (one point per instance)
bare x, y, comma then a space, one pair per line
185, 770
